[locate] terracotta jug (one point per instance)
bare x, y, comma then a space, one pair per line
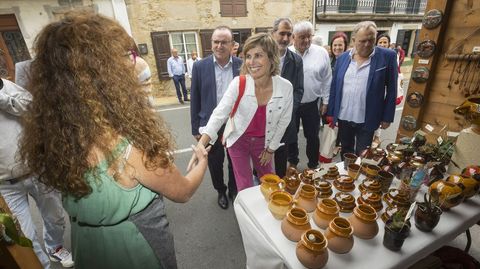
280, 203
345, 201
364, 222
312, 249
307, 198
326, 211
292, 183
339, 235
370, 185
371, 198
295, 224
324, 189
270, 183
344, 183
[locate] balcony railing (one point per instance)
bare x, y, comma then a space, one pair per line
414, 7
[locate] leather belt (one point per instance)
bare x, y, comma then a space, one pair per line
13, 181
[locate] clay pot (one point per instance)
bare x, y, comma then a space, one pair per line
344, 183
398, 198
469, 185
353, 170
270, 183
372, 170
385, 178
324, 189
345, 201
364, 222
339, 235
392, 210
393, 238
331, 174
371, 198
292, 183
472, 171
312, 250
280, 203
363, 168
448, 193
307, 176
425, 219
307, 198
327, 210
411, 191
295, 224
349, 158
370, 185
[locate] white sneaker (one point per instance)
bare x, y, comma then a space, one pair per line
63, 256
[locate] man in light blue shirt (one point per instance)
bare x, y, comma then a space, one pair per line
176, 70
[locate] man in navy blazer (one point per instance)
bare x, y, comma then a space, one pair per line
363, 90
210, 79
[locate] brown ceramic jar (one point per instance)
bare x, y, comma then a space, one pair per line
269, 184
469, 185
295, 224
339, 235
307, 198
331, 174
312, 250
370, 185
392, 210
372, 170
353, 170
292, 183
371, 198
398, 198
448, 193
345, 201
385, 179
280, 203
344, 183
307, 176
324, 189
327, 210
364, 222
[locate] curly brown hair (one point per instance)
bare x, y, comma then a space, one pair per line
86, 96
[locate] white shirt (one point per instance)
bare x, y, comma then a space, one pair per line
190, 62
175, 66
223, 77
317, 75
354, 94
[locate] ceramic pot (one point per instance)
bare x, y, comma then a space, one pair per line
371, 198
344, 183
295, 224
269, 184
331, 174
307, 176
372, 170
364, 222
385, 178
411, 191
312, 250
448, 193
393, 238
339, 235
398, 198
472, 171
349, 158
307, 198
345, 201
469, 185
392, 210
353, 170
363, 168
292, 183
324, 189
280, 203
426, 219
327, 210
370, 185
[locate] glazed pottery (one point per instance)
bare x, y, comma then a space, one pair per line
469, 185
427, 218
372, 170
353, 170
398, 198
363, 168
385, 178
295, 224
339, 235
364, 222
292, 182
280, 203
307, 176
394, 237
411, 191
307, 198
345, 201
449, 194
370, 185
391, 210
349, 158
324, 189
331, 174
270, 183
371, 198
344, 183
327, 210
472, 171
312, 250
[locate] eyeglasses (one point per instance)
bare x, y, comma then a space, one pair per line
223, 43
289, 34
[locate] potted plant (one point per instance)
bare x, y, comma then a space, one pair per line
397, 229
427, 214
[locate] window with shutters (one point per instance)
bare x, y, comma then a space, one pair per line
233, 8
185, 43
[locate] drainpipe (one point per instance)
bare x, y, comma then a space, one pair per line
314, 17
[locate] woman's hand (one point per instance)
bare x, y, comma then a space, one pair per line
265, 157
199, 155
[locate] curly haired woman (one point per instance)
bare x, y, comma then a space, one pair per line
90, 134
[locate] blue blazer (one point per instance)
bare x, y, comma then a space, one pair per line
381, 87
203, 90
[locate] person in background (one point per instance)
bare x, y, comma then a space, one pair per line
291, 68
263, 114
339, 45
363, 91
383, 41
193, 58
317, 76
234, 51
240, 52
101, 145
176, 70
143, 73
317, 40
210, 79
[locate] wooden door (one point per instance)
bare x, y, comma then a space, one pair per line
13, 48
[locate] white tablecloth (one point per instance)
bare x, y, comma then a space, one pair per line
267, 247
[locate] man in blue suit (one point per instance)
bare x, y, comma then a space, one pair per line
210, 79
363, 90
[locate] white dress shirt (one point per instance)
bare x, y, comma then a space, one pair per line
223, 77
190, 62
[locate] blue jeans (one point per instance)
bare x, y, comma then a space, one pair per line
179, 80
51, 210
353, 137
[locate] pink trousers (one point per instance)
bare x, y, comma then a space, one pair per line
245, 151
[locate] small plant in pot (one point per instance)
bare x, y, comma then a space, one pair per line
427, 214
397, 229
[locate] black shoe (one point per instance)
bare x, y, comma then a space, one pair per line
222, 200
181, 102
232, 195
187, 100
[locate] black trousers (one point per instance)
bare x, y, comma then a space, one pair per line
353, 137
216, 157
310, 117
281, 156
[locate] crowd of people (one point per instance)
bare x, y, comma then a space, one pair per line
85, 129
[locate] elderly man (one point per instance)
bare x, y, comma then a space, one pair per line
176, 70
316, 84
291, 68
190, 62
210, 79
363, 91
